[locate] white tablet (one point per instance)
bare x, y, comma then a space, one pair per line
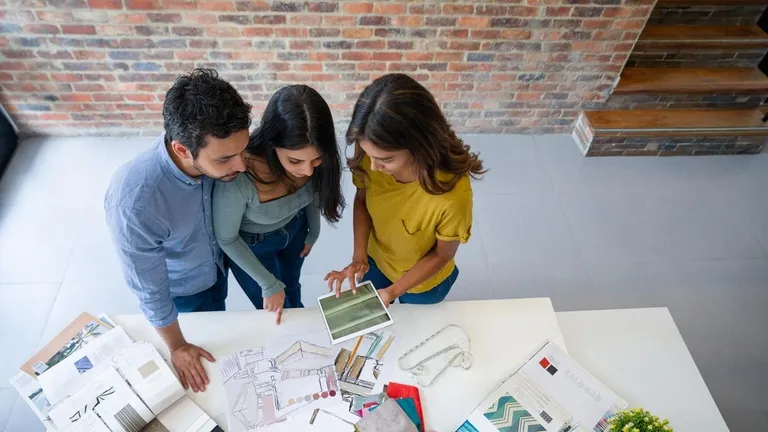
351, 315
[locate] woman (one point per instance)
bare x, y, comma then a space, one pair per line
268, 218
413, 205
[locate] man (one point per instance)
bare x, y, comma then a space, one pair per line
158, 209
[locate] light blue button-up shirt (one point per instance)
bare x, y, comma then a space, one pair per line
162, 226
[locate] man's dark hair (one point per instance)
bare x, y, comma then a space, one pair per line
201, 104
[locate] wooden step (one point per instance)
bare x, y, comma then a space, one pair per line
691, 80
660, 37
712, 2
678, 122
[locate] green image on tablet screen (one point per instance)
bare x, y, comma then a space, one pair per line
350, 313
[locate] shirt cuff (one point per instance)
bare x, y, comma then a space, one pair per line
162, 322
273, 289
461, 237
311, 238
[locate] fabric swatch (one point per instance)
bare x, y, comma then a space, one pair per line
396, 390
387, 417
507, 415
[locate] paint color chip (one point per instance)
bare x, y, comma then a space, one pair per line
332, 393
552, 370
315, 396
324, 395
148, 369
307, 398
544, 363
291, 401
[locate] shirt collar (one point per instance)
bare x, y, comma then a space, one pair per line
170, 166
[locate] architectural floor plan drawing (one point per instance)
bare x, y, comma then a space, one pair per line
286, 379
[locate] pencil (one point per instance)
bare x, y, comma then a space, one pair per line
354, 352
374, 344
385, 347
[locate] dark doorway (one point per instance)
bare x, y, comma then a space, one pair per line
8, 140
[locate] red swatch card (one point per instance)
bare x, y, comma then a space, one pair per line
395, 391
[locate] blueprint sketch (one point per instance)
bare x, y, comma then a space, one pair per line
285, 379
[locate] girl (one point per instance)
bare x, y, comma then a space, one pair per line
268, 218
413, 205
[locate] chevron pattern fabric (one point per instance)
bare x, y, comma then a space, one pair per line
467, 427
507, 415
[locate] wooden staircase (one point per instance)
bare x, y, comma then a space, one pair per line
692, 80
665, 37
668, 103
710, 2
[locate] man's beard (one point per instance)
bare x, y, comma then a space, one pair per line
226, 179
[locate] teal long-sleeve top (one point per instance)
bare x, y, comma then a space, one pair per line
236, 208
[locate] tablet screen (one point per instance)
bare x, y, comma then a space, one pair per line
351, 315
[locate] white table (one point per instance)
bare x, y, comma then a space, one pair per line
640, 355
637, 353
503, 333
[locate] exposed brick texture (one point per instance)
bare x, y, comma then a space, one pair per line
661, 145
685, 146
696, 58
103, 66
706, 14
663, 101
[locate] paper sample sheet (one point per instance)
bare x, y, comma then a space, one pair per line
184, 416
70, 373
29, 389
149, 376
84, 329
550, 392
90, 422
109, 396
590, 402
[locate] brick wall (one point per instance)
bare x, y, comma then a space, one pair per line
683, 146
706, 15
101, 67
695, 58
682, 101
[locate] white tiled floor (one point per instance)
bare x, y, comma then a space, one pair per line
687, 233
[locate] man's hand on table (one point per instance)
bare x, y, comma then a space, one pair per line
188, 364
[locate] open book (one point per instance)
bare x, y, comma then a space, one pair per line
92, 377
133, 391
81, 332
549, 392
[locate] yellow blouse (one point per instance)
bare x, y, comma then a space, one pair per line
408, 221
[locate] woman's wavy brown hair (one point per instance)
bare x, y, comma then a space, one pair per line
395, 112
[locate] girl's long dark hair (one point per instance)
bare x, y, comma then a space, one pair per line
395, 112
297, 116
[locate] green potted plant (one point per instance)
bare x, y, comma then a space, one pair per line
638, 420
